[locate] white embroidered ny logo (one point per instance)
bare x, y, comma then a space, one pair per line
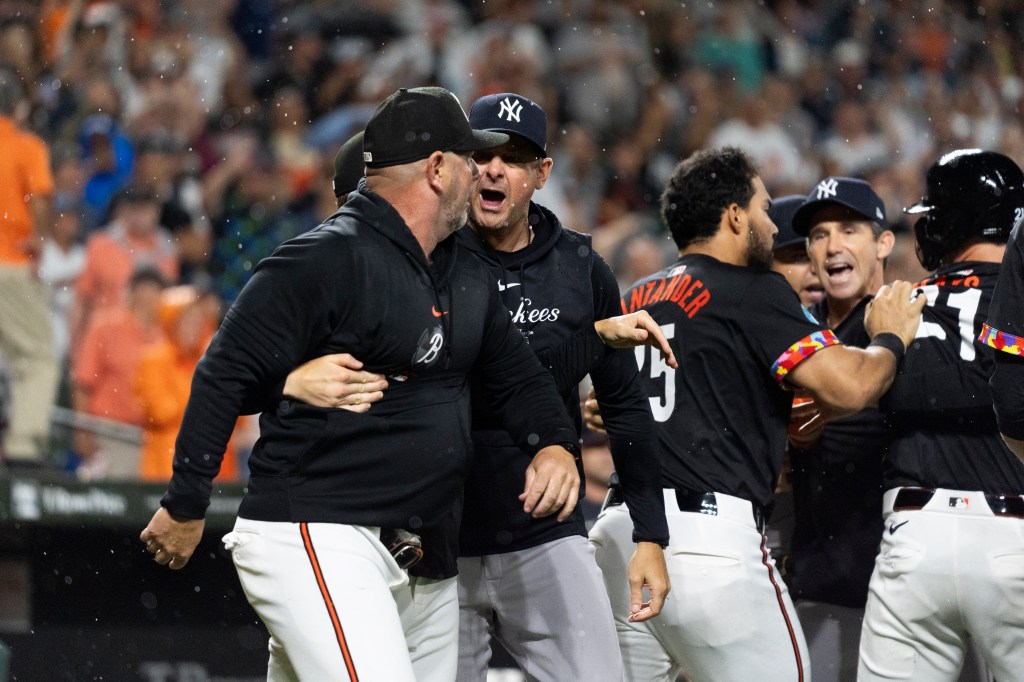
513, 108
827, 188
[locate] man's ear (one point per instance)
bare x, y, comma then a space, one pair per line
736, 218
543, 173
436, 170
886, 240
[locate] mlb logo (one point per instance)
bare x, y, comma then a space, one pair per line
678, 270
959, 502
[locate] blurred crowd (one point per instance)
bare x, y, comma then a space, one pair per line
187, 139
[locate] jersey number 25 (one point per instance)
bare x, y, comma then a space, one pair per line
661, 406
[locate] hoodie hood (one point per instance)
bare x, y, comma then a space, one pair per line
372, 209
384, 219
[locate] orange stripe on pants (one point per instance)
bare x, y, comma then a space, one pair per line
328, 602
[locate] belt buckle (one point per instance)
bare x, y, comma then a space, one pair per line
708, 504
613, 498
405, 547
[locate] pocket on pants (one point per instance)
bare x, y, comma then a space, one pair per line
899, 557
715, 607
1007, 570
237, 540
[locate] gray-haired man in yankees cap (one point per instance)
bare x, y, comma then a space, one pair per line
532, 583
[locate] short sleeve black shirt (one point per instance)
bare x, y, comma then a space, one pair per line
736, 332
940, 404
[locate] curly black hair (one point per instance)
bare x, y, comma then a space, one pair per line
701, 187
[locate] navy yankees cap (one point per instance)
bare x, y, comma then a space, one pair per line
348, 165
514, 114
413, 123
850, 192
781, 213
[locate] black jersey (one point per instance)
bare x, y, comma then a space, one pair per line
837, 493
736, 332
1004, 331
940, 404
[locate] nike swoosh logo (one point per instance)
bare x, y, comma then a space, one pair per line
502, 287
893, 527
436, 312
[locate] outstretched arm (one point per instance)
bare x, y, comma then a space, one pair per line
268, 330
845, 380
636, 452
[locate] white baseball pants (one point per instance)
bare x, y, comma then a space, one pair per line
339, 608
729, 615
946, 571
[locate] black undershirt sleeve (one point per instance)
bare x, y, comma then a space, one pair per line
571, 360
627, 416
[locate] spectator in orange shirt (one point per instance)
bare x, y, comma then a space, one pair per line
103, 378
26, 338
133, 240
164, 381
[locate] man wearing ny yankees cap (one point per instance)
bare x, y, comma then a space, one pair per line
837, 468
532, 583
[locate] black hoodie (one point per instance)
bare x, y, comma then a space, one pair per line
359, 283
554, 289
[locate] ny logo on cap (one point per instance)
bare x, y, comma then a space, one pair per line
827, 188
513, 108
878, 214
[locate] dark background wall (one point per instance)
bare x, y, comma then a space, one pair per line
82, 600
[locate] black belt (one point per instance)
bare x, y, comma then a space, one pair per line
912, 499
688, 501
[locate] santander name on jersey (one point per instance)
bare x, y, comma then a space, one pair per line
688, 292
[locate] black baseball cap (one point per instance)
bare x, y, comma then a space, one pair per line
413, 123
348, 165
781, 213
507, 112
853, 193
